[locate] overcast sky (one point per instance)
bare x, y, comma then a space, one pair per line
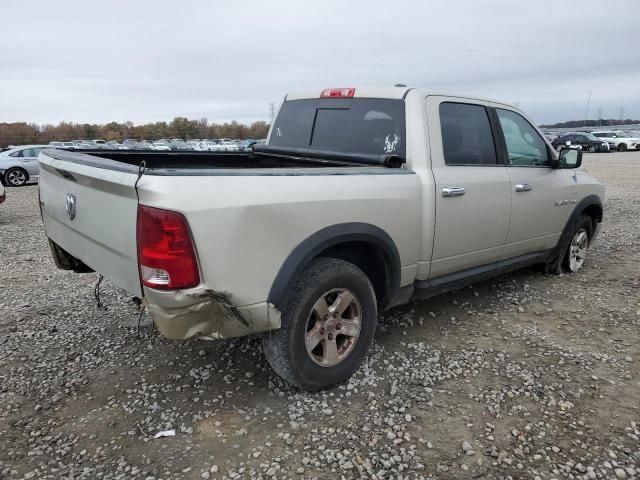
143, 60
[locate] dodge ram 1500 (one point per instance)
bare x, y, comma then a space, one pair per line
362, 199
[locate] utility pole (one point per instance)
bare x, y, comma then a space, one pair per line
272, 111
600, 117
586, 113
621, 113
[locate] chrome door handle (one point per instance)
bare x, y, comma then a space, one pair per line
524, 187
453, 191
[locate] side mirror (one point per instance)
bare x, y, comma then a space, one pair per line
567, 143
568, 158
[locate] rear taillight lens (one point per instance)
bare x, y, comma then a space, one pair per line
166, 255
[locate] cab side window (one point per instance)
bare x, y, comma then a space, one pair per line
466, 135
17, 154
525, 146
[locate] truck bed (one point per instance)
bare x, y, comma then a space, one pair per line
171, 163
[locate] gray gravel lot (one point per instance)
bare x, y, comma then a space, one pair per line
524, 376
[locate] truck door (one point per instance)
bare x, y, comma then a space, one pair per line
473, 190
542, 197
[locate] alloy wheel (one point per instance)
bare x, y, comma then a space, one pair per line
578, 249
16, 178
333, 327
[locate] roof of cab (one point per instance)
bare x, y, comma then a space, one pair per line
360, 92
388, 92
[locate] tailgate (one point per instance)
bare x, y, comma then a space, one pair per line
91, 213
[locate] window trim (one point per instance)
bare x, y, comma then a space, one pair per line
503, 142
499, 159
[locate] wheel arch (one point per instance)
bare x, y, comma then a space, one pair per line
367, 246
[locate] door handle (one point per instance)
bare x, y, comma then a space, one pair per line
453, 191
524, 187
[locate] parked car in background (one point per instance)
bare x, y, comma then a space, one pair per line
114, 145
83, 145
68, 145
161, 145
130, 143
247, 144
19, 165
55, 144
584, 140
211, 145
194, 144
620, 140
178, 144
353, 218
228, 145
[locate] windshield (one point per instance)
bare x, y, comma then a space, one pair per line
621, 135
354, 125
591, 137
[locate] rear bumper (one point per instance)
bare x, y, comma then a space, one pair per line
205, 314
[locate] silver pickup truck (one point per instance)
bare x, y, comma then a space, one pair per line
362, 199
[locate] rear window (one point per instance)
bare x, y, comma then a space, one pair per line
355, 125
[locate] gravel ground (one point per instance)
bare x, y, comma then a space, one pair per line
524, 376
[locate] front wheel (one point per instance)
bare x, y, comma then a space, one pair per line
577, 250
622, 147
592, 149
15, 177
327, 326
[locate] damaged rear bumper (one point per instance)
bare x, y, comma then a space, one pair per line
206, 314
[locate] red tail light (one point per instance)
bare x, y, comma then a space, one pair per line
338, 92
166, 255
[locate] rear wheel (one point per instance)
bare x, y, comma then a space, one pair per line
622, 147
327, 326
592, 149
16, 177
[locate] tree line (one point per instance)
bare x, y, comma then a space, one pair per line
22, 133
592, 123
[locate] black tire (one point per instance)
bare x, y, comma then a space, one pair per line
592, 149
560, 261
16, 177
622, 147
286, 348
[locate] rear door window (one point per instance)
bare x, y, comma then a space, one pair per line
466, 135
356, 125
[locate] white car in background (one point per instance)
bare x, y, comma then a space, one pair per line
228, 145
619, 140
19, 165
161, 145
211, 146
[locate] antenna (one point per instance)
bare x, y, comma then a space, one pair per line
586, 113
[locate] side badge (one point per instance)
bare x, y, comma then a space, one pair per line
70, 206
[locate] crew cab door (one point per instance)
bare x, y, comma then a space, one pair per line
542, 197
472, 189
